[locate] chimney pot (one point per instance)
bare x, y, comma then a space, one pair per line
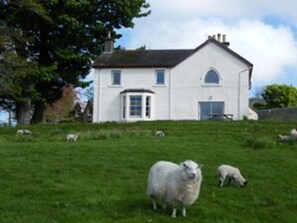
219, 37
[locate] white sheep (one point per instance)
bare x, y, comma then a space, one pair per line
72, 137
293, 132
230, 173
283, 138
160, 133
24, 132
174, 184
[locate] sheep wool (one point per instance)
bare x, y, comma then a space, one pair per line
72, 137
173, 184
230, 173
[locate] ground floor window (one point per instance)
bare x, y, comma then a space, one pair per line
136, 106
211, 108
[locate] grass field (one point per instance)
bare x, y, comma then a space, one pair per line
102, 177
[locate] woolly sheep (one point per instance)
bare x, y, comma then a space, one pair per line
72, 137
160, 133
293, 132
172, 184
283, 138
230, 173
24, 132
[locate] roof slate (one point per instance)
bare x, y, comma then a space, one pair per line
141, 58
155, 58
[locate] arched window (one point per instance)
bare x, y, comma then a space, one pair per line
211, 77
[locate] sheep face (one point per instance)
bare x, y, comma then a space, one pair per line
191, 170
240, 180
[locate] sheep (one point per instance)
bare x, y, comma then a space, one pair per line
173, 184
293, 132
231, 173
160, 133
283, 138
24, 132
72, 137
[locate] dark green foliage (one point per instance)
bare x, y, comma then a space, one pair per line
280, 96
95, 180
57, 40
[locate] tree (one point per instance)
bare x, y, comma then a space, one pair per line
280, 96
61, 109
62, 37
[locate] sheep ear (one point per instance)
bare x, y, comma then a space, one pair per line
200, 166
185, 165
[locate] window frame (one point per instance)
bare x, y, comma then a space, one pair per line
157, 77
116, 77
135, 110
212, 82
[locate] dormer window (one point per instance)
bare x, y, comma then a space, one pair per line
211, 77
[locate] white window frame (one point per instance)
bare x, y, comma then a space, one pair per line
157, 73
114, 81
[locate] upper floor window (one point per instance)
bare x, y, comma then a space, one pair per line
211, 77
160, 77
116, 77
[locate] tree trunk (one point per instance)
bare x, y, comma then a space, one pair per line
38, 112
23, 110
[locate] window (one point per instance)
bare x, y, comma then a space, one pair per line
135, 106
211, 77
116, 77
160, 77
210, 108
148, 107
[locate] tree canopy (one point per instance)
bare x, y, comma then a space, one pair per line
280, 96
47, 45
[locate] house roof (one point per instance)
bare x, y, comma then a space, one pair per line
157, 58
141, 58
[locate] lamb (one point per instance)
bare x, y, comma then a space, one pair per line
283, 138
172, 184
160, 133
72, 137
231, 173
24, 132
293, 132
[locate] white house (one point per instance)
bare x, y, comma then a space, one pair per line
191, 84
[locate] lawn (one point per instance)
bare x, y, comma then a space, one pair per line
102, 177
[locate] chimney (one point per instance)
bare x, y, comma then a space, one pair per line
219, 37
108, 45
224, 41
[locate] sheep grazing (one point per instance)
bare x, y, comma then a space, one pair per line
283, 138
230, 173
160, 133
72, 137
174, 184
24, 132
293, 132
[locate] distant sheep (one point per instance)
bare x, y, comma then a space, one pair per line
72, 137
160, 133
293, 132
24, 132
174, 184
283, 138
230, 173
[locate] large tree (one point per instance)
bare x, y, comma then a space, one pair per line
280, 96
61, 36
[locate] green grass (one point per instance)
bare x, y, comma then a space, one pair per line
102, 177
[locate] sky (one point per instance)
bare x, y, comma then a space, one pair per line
262, 31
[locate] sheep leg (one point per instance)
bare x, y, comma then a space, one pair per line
154, 204
184, 211
174, 212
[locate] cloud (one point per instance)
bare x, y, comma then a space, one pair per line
178, 24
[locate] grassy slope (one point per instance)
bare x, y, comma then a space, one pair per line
102, 177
